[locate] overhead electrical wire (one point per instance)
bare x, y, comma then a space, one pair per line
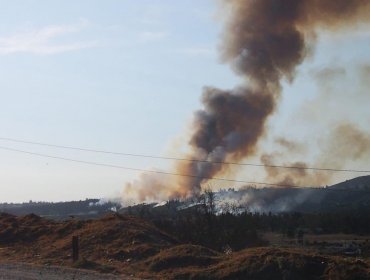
160, 172
141, 170
185, 159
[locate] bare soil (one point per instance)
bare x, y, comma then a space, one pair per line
20, 271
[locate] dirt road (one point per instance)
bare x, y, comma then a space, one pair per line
22, 271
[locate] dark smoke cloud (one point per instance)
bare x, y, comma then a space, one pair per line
229, 128
264, 41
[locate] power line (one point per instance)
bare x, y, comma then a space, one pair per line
185, 159
166, 173
144, 170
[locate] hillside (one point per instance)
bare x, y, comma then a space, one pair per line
260, 264
105, 242
352, 194
128, 245
83, 209
358, 183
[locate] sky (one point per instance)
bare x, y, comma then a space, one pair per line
126, 76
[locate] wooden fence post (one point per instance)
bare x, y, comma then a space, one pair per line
75, 248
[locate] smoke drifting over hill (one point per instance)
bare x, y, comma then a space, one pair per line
263, 41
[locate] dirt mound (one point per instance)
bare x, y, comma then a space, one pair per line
85, 264
125, 244
196, 262
119, 237
270, 264
23, 229
283, 264
4, 217
183, 256
110, 241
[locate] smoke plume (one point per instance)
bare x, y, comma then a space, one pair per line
263, 41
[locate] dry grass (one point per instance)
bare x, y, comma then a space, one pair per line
278, 264
183, 256
114, 241
125, 244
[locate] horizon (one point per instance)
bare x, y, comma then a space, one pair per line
247, 187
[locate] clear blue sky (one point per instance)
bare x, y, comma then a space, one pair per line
119, 75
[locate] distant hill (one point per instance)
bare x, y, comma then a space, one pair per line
82, 209
351, 195
359, 183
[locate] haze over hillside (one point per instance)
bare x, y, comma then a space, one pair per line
349, 195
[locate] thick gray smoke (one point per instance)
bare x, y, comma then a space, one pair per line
263, 41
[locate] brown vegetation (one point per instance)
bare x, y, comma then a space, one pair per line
125, 244
112, 241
